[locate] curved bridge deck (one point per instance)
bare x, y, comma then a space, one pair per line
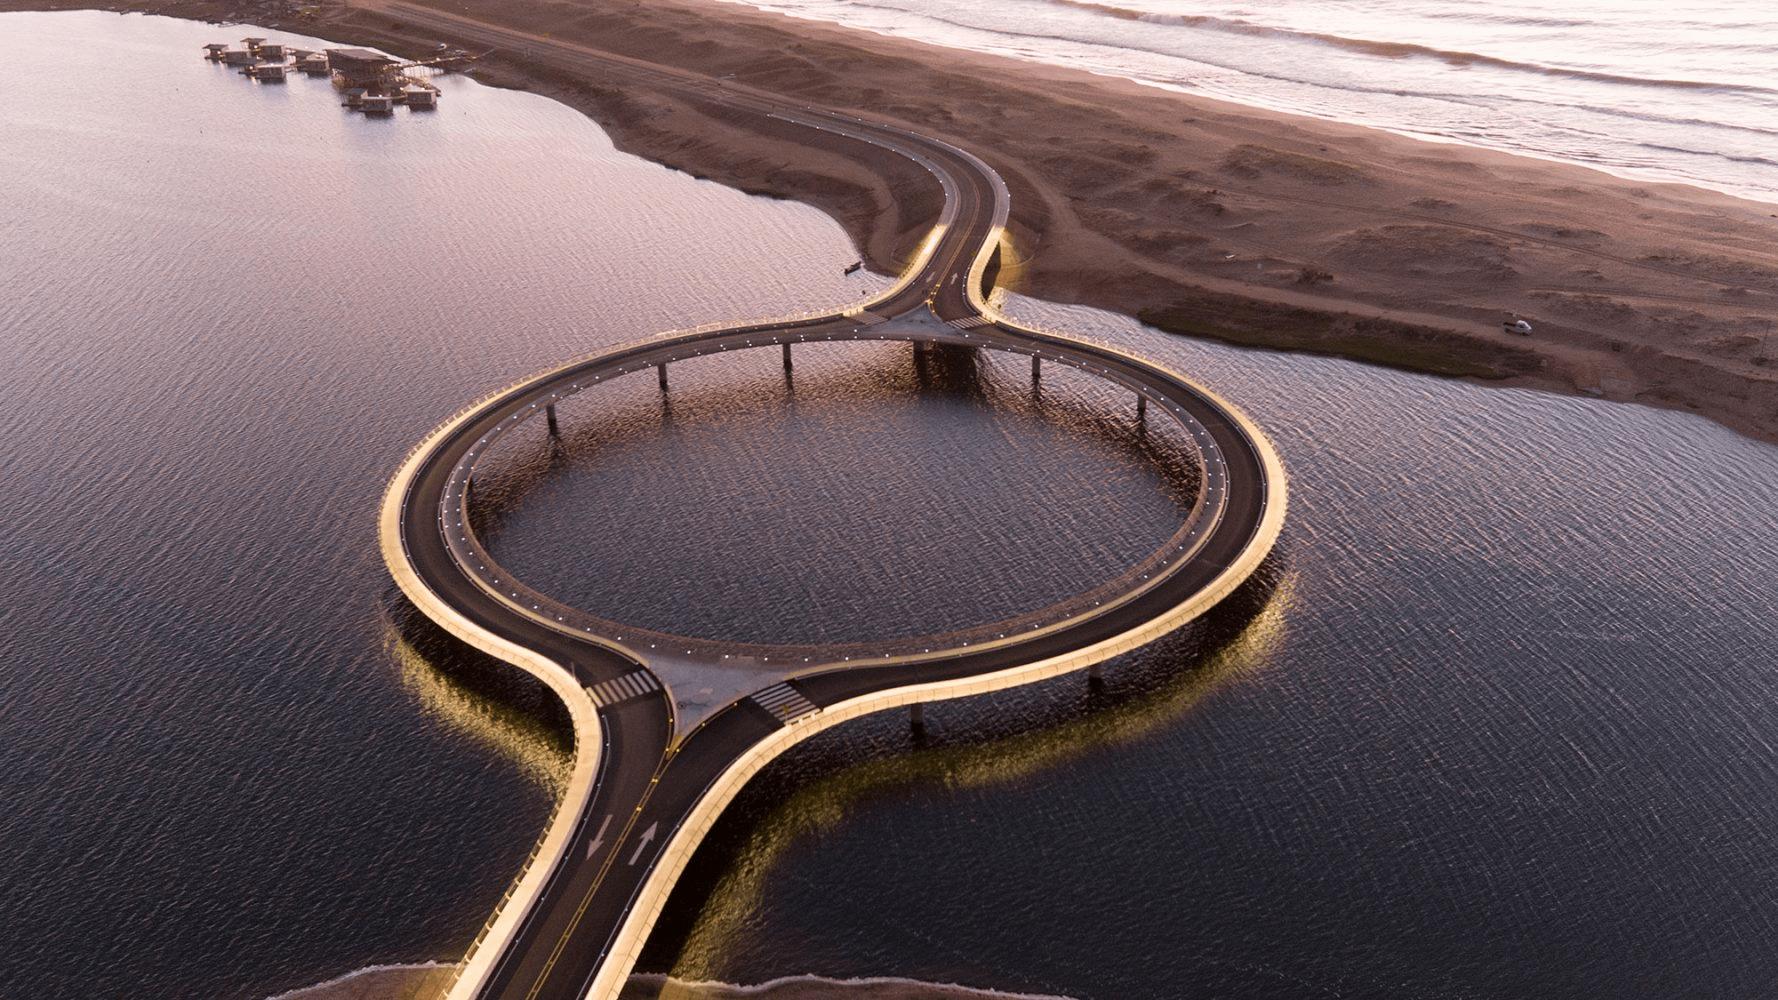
653, 769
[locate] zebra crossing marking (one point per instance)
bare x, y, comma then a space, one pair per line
786, 703
634, 684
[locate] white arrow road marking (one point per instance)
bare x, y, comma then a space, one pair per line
598, 838
647, 835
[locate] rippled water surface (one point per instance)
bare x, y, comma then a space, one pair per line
227, 310
864, 497
1502, 727
1503, 730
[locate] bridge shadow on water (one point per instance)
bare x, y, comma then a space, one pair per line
491, 701
954, 370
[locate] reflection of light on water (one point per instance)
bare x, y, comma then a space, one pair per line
826, 802
509, 731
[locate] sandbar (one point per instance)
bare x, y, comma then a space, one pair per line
1197, 216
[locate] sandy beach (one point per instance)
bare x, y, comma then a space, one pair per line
1194, 215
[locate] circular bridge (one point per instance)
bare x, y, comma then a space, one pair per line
669, 653
667, 729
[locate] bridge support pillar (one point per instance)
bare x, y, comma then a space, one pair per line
787, 355
1036, 367
549, 413
1141, 406
661, 370
917, 717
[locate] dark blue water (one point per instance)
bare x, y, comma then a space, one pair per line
1500, 729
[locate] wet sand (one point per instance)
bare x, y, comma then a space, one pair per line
1199, 216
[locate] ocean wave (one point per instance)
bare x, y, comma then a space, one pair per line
1397, 49
1698, 120
394, 982
372, 982
809, 987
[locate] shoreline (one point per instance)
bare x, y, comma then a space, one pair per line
1193, 215
427, 981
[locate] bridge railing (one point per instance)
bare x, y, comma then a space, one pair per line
512, 888
402, 479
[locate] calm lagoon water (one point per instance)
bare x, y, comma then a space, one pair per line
1501, 728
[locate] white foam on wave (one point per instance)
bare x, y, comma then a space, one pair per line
952, 991
1576, 88
318, 990
357, 985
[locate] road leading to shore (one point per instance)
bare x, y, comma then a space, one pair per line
653, 770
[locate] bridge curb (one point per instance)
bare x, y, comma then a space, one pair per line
550, 851
520, 896
684, 841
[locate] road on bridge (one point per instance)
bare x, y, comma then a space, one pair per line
648, 781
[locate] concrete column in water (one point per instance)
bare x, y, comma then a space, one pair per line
662, 371
917, 717
787, 355
1141, 406
549, 413
1036, 366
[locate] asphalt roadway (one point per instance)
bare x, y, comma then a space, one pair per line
654, 778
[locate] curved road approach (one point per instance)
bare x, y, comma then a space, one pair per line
655, 764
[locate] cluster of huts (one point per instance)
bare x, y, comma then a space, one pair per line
371, 82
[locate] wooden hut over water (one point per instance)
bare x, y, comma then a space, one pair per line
363, 68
